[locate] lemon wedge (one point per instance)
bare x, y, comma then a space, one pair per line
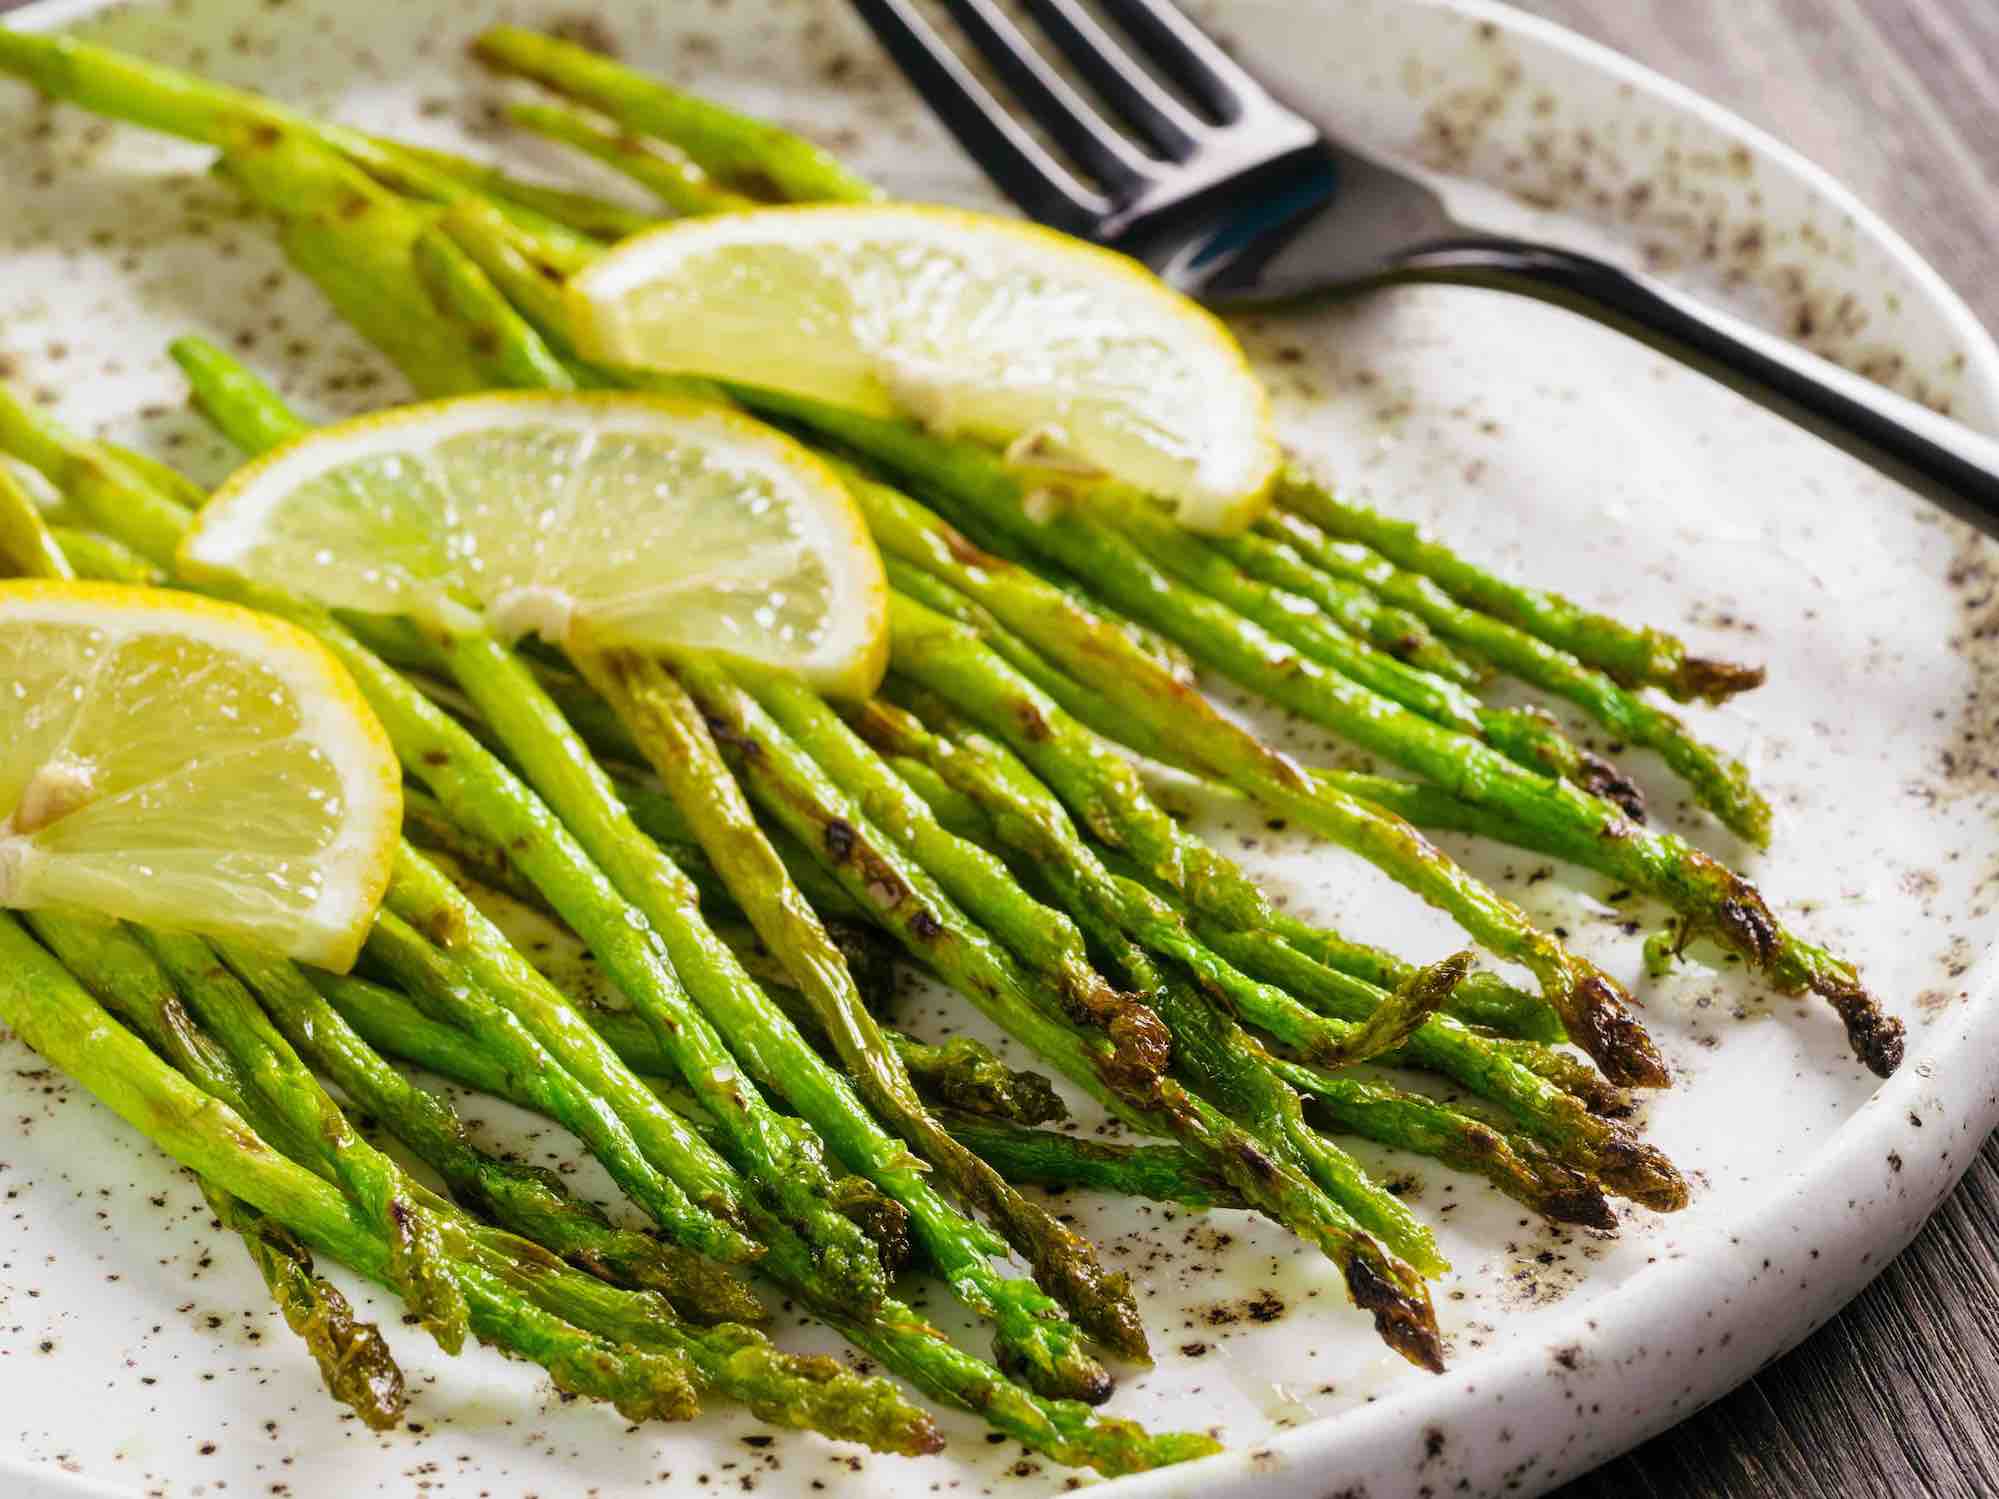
1075, 358
188, 764
624, 520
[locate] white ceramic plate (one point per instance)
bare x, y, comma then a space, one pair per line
140, 1352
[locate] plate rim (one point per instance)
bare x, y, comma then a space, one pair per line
1378, 1438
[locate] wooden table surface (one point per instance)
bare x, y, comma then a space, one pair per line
1899, 1396
1899, 99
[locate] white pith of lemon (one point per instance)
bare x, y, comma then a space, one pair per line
972, 324
188, 764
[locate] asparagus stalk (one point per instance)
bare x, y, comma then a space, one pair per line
962, 1078
285, 1092
666, 172
526, 923
1638, 657
1059, 1162
1712, 901
931, 926
1528, 738
1023, 815
813, 1393
27, 549
526, 1200
742, 154
1559, 1193
1562, 1124
149, 94
43, 1005
665, 720
371, 278
587, 215
1292, 553
96, 556
1481, 999
354, 1360
959, 1074
1127, 920
955, 664
896, 1335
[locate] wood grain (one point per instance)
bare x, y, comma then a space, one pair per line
1899, 99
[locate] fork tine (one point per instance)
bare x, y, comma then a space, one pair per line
1047, 96
1167, 124
1042, 186
1189, 56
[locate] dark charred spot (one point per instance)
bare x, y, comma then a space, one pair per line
1601, 778
263, 137
759, 185
925, 927
840, 838
1032, 724
964, 552
485, 342
353, 206
1259, 1164
436, 759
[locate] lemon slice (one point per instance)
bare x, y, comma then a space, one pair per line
973, 325
188, 764
642, 521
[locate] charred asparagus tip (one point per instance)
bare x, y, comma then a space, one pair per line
1714, 681
1400, 1306
1875, 1036
1615, 1041
1642, 1174
1572, 1197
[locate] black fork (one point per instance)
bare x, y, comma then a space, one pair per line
1245, 200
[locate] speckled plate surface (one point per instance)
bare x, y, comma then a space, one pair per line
139, 1350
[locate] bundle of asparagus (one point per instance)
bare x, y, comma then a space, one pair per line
712, 1034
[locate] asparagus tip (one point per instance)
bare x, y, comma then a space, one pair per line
1058, 1374
1712, 680
1571, 1197
1395, 1296
1614, 1039
1875, 1036
1642, 1173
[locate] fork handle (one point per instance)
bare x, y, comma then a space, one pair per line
1943, 460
